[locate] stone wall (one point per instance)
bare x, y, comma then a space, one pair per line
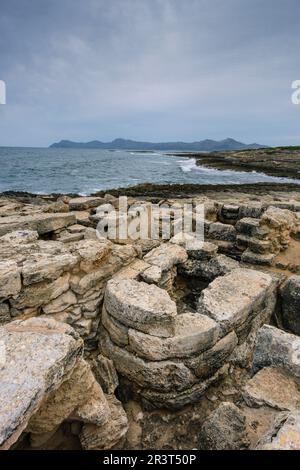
65, 282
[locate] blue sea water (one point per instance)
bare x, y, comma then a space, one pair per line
43, 171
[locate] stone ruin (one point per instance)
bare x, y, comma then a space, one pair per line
93, 329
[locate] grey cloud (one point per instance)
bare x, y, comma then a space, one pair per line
149, 70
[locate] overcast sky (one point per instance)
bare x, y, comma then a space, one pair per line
156, 70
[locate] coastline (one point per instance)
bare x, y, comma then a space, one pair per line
281, 162
150, 190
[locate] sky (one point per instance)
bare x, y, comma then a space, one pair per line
155, 70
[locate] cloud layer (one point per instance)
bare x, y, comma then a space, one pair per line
149, 70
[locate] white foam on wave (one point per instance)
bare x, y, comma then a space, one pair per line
187, 165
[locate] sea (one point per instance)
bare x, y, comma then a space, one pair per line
86, 171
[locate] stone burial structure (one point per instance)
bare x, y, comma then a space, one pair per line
136, 344
171, 358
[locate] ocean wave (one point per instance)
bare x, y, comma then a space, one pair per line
187, 165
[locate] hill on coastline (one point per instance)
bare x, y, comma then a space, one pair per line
207, 145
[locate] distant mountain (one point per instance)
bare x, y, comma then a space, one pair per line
125, 144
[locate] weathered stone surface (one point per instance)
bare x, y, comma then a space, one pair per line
42, 266
133, 271
272, 387
210, 269
224, 429
265, 259
4, 313
166, 256
91, 252
142, 306
284, 433
105, 373
194, 333
175, 400
10, 279
254, 244
278, 218
290, 294
79, 395
152, 275
117, 332
277, 348
251, 227
208, 362
206, 251
61, 303
40, 222
251, 209
84, 203
39, 354
42, 293
219, 231
20, 237
161, 376
97, 438
235, 298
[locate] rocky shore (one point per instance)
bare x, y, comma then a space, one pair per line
280, 161
153, 343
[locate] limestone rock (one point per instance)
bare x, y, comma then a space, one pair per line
39, 354
43, 266
10, 279
84, 203
62, 302
97, 438
274, 388
219, 231
175, 400
41, 293
166, 256
235, 298
206, 251
290, 294
162, 376
79, 395
40, 222
105, 372
224, 429
284, 433
193, 334
144, 307
117, 332
277, 348
265, 259
5, 316
208, 362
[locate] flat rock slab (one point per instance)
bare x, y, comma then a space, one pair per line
166, 256
224, 429
84, 203
144, 307
194, 333
37, 355
40, 222
231, 299
277, 348
284, 433
272, 387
